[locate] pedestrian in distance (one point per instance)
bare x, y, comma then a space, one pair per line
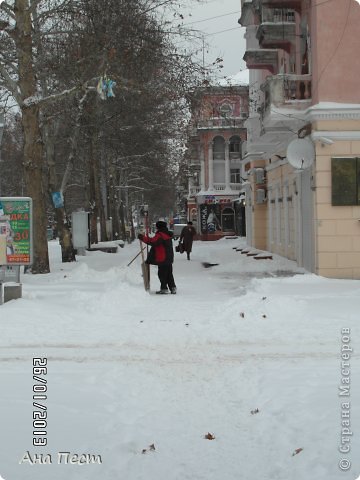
161, 254
187, 237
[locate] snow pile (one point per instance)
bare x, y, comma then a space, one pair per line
237, 373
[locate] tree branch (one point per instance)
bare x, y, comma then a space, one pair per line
10, 84
7, 9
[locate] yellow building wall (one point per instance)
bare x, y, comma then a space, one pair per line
337, 227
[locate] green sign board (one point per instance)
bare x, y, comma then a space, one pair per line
15, 231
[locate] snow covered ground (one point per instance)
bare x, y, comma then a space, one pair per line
248, 354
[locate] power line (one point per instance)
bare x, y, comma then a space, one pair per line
221, 31
211, 18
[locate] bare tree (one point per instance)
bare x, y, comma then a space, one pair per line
55, 52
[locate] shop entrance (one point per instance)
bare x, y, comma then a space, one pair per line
228, 220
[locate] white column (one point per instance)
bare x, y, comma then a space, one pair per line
202, 174
211, 166
202, 169
227, 165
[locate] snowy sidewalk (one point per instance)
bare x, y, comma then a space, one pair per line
127, 370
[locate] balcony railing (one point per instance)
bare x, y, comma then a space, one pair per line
235, 156
277, 27
194, 190
221, 186
277, 15
285, 3
220, 122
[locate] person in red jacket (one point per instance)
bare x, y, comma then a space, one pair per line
162, 255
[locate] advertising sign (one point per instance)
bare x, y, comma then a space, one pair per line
16, 227
210, 218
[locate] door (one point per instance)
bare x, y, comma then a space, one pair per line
228, 220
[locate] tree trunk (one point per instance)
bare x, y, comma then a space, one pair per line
33, 163
65, 239
95, 194
62, 225
33, 146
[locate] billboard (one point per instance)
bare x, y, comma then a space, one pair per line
210, 215
16, 230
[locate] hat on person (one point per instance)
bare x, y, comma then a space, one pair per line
161, 224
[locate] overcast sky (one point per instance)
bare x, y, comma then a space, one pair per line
229, 45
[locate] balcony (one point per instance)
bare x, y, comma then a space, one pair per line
296, 4
235, 156
220, 187
284, 95
221, 122
262, 58
194, 191
277, 29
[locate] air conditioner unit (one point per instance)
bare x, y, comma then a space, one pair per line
260, 196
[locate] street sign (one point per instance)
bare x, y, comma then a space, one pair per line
16, 230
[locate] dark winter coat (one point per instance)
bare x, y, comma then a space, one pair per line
187, 236
161, 251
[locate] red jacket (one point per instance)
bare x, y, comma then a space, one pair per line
161, 252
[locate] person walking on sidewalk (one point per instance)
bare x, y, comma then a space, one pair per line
187, 237
161, 254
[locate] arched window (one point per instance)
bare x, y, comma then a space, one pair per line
219, 148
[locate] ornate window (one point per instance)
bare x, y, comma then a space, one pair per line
226, 110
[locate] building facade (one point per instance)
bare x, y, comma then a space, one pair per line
305, 85
217, 136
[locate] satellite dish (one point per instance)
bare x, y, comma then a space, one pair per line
301, 153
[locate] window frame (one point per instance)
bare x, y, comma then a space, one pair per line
345, 184
236, 172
